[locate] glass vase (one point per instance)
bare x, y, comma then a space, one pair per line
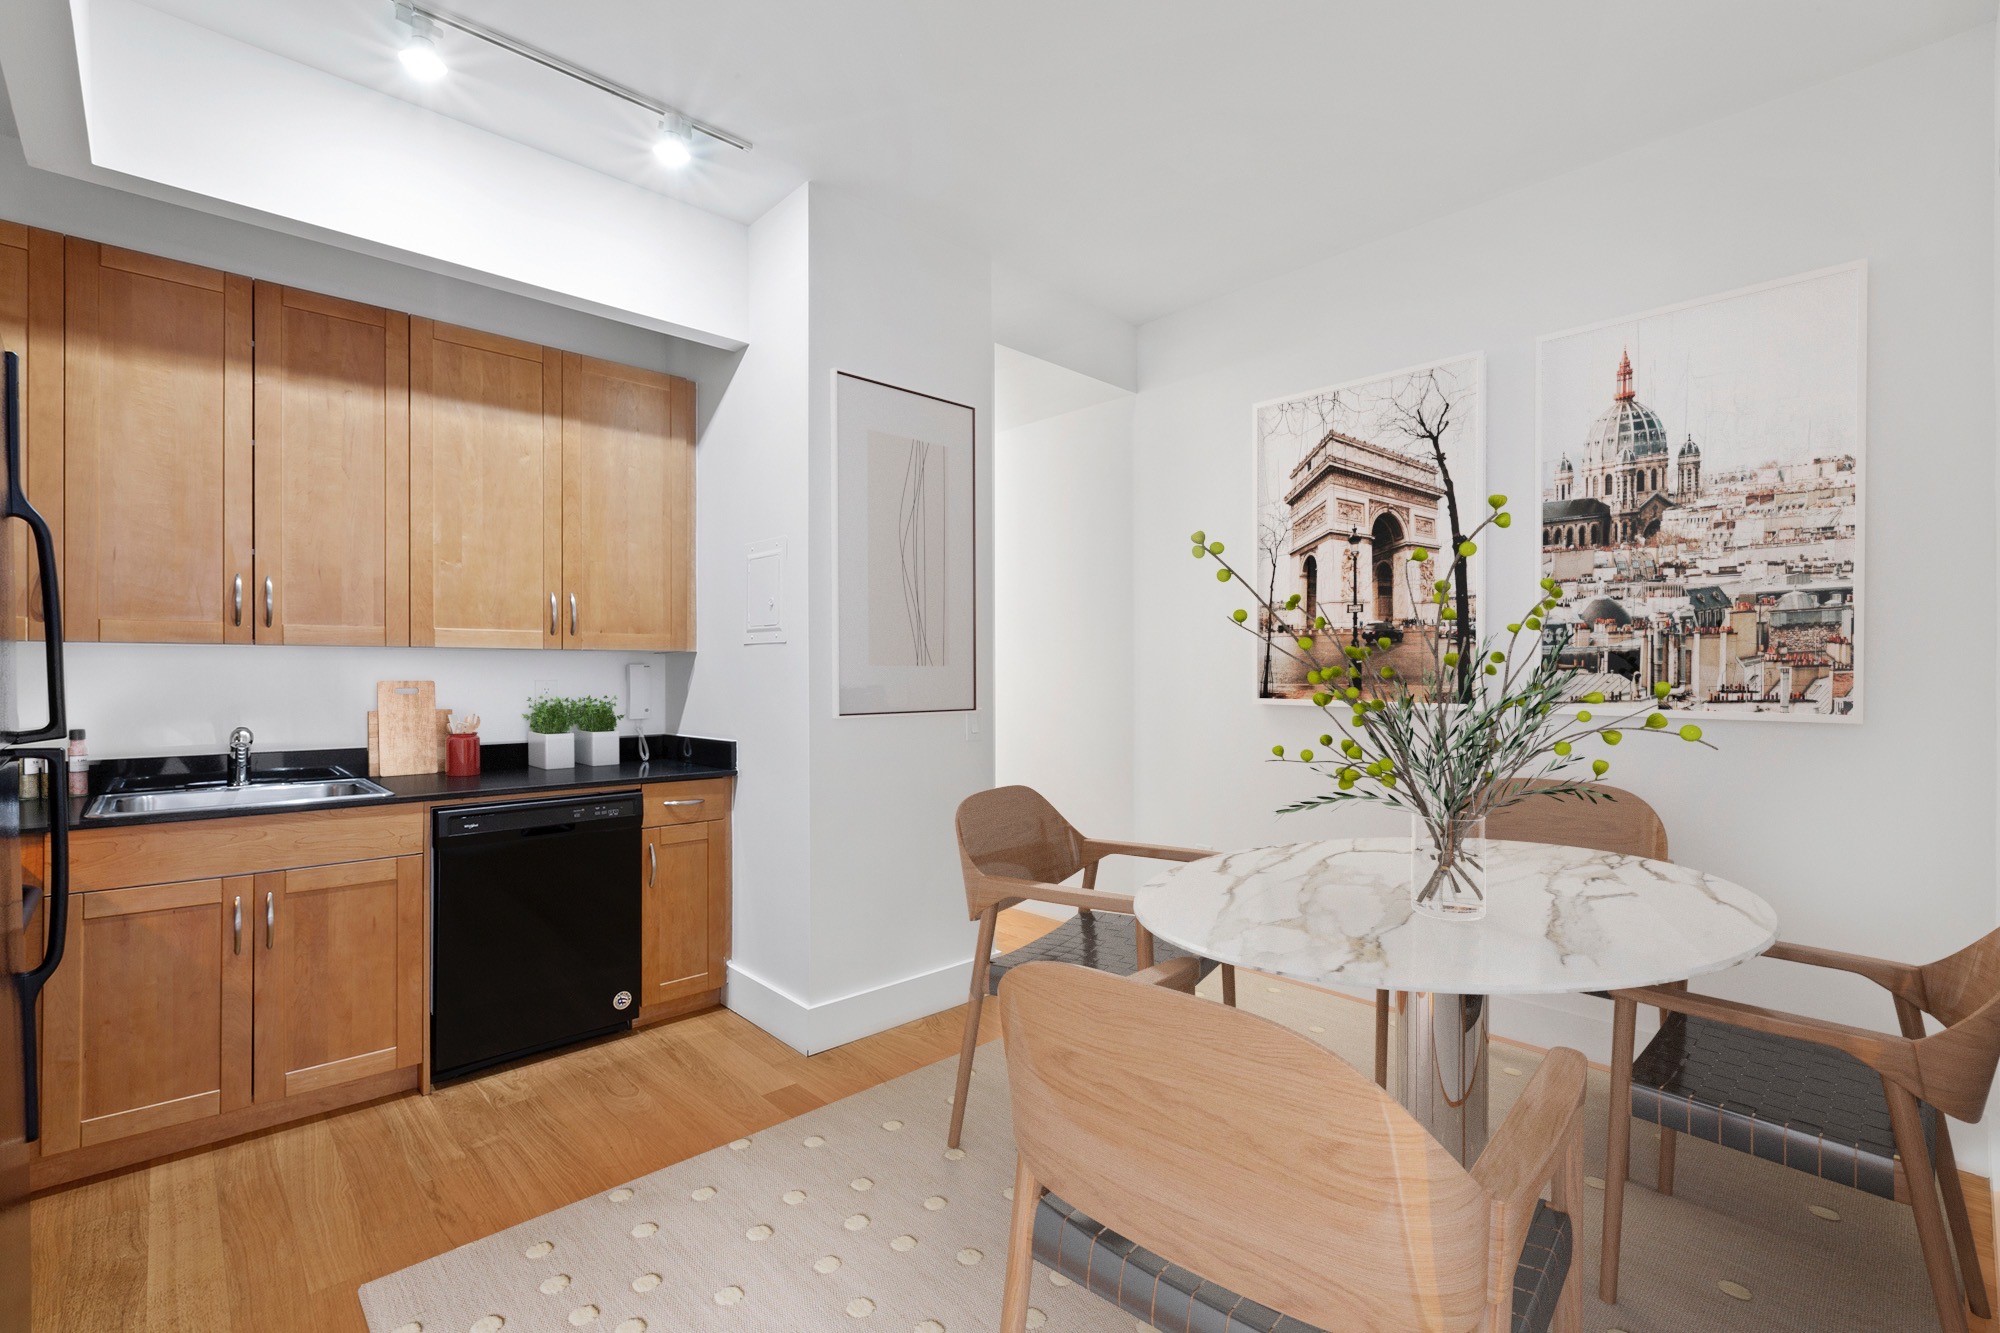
1448, 867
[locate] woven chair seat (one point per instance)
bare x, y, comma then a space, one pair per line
1104, 941
1172, 1299
1793, 1102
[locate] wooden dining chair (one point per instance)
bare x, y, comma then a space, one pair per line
1013, 846
1205, 1169
1617, 821
1860, 1107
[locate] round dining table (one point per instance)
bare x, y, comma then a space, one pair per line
1557, 919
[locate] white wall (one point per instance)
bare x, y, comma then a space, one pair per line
1872, 837
751, 481
1062, 642
890, 939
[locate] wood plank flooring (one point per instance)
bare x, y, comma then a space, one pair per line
276, 1232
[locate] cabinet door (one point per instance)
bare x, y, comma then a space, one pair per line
333, 471
485, 490
686, 914
157, 457
147, 1022
340, 973
628, 507
31, 325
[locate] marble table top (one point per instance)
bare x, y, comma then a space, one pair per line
1557, 919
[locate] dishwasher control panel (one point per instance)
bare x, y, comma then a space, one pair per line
467, 821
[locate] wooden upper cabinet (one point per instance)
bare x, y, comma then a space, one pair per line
628, 507
147, 1022
485, 490
340, 974
333, 471
31, 325
158, 456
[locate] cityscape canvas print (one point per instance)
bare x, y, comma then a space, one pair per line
1701, 475
1351, 481
904, 549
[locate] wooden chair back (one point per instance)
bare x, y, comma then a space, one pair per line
1014, 833
1245, 1153
1962, 992
1617, 822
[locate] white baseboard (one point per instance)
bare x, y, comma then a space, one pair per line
812, 1028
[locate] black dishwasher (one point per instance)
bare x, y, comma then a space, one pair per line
534, 927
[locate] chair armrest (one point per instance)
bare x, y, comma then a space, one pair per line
1095, 850
1179, 974
1886, 1054
1896, 978
1526, 1152
1001, 888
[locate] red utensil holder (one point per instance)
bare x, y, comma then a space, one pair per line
461, 755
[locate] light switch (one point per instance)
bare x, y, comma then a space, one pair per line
764, 591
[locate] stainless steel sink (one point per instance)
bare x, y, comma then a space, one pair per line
252, 796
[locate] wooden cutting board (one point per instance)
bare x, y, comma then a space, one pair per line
407, 730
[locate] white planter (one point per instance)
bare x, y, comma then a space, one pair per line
557, 751
597, 748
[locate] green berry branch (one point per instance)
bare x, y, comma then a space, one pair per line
1482, 729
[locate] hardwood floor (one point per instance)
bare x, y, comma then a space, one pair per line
276, 1232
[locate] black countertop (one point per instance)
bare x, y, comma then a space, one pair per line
504, 774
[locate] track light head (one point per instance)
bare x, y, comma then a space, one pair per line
675, 146
420, 53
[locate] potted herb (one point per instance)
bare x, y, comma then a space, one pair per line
596, 722
551, 744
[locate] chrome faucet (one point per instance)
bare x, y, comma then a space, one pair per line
239, 757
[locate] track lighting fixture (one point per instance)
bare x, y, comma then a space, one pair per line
674, 147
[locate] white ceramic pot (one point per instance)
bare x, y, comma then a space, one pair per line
557, 751
597, 749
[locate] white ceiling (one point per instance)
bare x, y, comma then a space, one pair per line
1027, 389
1141, 154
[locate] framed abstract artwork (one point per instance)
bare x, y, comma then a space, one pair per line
905, 586
1702, 485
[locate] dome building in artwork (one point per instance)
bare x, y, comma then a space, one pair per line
1628, 468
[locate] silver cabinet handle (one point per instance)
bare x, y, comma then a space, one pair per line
236, 926
239, 599
552, 613
270, 920
653, 861
572, 615
269, 588
695, 801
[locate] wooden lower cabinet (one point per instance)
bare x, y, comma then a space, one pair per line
240, 1001
686, 868
206, 1007
147, 1022
339, 974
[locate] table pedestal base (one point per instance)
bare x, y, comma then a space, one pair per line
1440, 1067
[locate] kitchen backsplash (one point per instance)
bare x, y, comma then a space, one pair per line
151, 699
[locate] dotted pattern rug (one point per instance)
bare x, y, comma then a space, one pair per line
855, 1217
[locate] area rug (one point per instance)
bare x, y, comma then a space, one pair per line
855, 1216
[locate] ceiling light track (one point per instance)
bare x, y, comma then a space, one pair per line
417, 15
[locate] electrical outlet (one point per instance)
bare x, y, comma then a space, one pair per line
545, 687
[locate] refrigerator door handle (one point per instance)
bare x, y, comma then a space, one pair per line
29, 984
16, 506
